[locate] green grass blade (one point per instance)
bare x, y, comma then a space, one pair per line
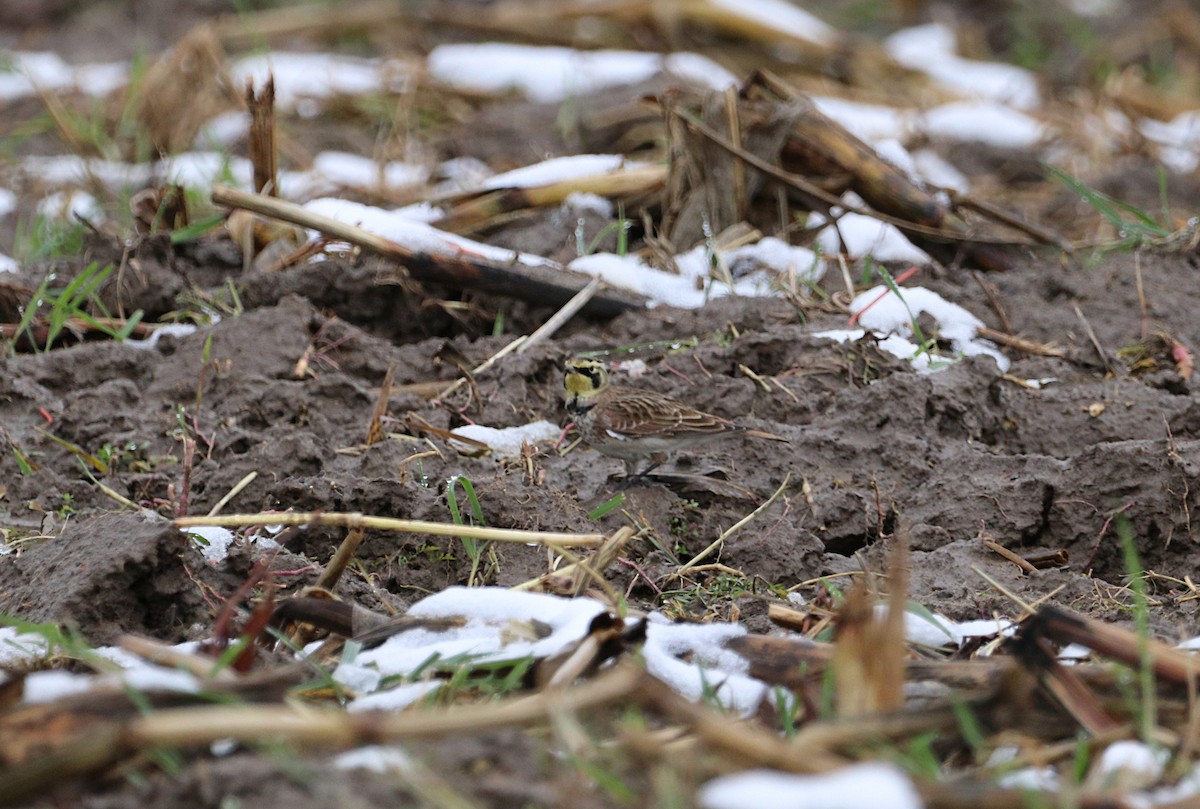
614, 502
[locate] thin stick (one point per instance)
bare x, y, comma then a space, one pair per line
120, 498
997, 548
1026, 607
358, 520
1011, 341
560, 318
158, 652
1087, 327
581, 570
191, 726
483, 366
522, 344
375, 425
845, 268
1143, 307
341, 557
1043, 235
997, 306
754, 377
733, 529
741, 741
234, 492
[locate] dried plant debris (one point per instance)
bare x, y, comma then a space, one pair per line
463, 643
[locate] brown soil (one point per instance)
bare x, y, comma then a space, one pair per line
949, 456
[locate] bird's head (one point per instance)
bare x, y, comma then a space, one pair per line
584, 379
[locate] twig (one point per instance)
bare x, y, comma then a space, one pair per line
544, 331
1143, 307
1100, 535
754, 377
741, 741
590, 568
898, 280
80, 325
1018, 343
164, 655
192, 726
997, 306
1044, 235
1087, 327
733, 529
358, 520
341, 557
509, 348
560, 318
375, 425
1026, 607
232, 493
117, 496
544, 282
997, 548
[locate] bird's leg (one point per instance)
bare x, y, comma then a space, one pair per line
632, 477
645, 473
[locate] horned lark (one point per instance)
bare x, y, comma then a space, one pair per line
633, 424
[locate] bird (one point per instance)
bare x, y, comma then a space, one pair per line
633, 424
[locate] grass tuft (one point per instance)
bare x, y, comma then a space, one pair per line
473, 546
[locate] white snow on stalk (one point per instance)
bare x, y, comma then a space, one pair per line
859, 236
8, 202
983, 121
783, 17
400, 227
562, 169
1178, 140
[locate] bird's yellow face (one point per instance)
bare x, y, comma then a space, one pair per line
584, 378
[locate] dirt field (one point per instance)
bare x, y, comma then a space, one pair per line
1048, 456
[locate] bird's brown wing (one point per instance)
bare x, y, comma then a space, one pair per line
640, 414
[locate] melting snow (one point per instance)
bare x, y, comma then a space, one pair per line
506, 442
549, 74
560, 169
931, 49
711, 668
887, 313
877, 785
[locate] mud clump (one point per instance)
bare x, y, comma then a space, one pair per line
107, 576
